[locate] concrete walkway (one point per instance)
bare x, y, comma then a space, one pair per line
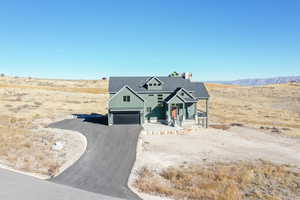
106, 165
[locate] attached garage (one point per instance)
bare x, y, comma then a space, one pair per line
126, 117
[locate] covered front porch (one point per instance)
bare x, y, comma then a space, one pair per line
181, 111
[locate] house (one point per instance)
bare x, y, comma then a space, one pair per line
139, 100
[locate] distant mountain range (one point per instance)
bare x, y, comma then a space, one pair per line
260, 81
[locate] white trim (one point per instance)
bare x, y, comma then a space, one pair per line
127, 110
175, 96
181, 98
154, 77
152, 91
131, 90
186, 93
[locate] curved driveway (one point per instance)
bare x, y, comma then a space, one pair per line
108, 160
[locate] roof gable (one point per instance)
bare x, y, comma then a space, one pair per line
154, 78
173, 97
128, 88
182, 94
182, 90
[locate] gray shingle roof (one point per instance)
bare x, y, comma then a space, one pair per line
170, 84
188, 99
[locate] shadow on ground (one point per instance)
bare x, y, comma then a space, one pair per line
93, 118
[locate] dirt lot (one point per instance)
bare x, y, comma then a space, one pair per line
207, 152
28, 105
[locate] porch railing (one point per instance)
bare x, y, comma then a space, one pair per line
201, 114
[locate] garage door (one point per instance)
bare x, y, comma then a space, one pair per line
126, 117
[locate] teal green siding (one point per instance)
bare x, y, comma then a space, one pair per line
175, 100
116, 101
190, 110
158, 109
184, 94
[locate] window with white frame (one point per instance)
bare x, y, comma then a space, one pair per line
126, 98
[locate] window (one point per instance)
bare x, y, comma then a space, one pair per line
150, 95
159, 84
149, 109
154, 84
182, 94
150, 84
126, 98
159, 97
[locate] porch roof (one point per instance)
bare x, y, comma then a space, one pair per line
189, 98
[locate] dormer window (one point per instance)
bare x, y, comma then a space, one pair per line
153, 83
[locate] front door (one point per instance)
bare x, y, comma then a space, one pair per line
174, 111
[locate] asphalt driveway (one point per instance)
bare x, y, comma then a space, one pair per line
106, 165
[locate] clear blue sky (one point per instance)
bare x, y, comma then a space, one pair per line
216, 40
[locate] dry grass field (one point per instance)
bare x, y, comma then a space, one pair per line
223, 181
28, 104
272, 108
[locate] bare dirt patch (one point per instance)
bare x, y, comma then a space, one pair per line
32, 152
238, 147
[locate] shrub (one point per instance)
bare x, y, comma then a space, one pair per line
236, 124
220, 126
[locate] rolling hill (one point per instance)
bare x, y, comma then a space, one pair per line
261, 81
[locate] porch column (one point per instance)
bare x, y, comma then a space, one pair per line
195, 112
184, 111
168, 114
206, 124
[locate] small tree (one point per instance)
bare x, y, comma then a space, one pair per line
174, 74
2, 75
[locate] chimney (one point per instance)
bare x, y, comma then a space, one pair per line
187, 75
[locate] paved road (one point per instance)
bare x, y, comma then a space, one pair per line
15, 186
108, 160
